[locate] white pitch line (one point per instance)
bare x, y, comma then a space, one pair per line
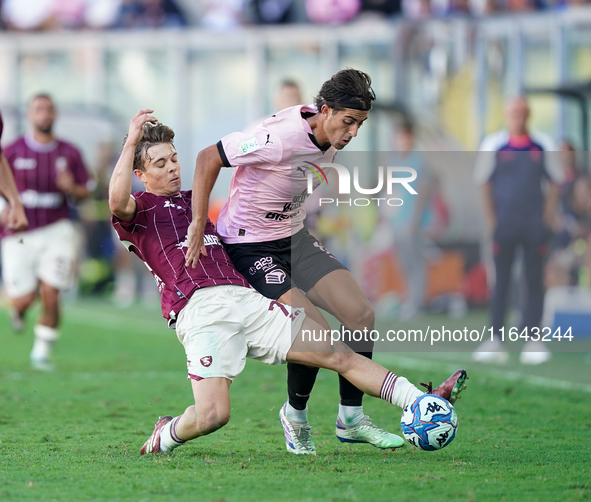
511, 376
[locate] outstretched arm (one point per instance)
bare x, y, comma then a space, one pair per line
121, 203
207, 170
16, 219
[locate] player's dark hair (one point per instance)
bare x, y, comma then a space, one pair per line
154, 134
347, 88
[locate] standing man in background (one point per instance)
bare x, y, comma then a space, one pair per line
12, 214
520, 179
48, 172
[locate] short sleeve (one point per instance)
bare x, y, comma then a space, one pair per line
261, 148
139, 221
552, 163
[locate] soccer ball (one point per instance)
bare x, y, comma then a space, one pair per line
430, 423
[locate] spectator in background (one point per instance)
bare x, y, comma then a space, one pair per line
288, 94
512, 168
138, 14
28, 15
384, 7
222, 15
272, 11
574, 225
48, 172
332, 11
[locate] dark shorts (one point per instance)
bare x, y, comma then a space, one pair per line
274, 267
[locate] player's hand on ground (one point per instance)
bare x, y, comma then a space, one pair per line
136, 132
195, 245
17, 219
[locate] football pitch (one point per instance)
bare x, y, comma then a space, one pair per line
74, 435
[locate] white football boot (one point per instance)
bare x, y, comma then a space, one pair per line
297, 435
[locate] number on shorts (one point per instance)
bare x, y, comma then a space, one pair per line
280, 305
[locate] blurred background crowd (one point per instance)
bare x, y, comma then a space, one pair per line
442, 71
49, 15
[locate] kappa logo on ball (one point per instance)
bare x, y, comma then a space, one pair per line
206, 361
275, 277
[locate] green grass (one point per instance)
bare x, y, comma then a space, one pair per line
75, 434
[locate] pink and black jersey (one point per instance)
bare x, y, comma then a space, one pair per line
158, 236
268, 190
35, 166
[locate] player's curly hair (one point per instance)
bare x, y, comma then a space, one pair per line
347, 88
154, 134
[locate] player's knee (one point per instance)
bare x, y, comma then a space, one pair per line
367, 315
361, 316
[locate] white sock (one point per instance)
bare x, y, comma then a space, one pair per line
45, 337
350, 415
296, 415
168, 436
398, 390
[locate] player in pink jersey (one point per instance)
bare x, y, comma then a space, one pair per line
48, 173
262, 226
219, 320
13, 215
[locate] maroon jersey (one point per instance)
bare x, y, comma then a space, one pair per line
158, 236
1, 129
35, 166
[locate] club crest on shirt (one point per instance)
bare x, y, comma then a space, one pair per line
61, 164
206, 361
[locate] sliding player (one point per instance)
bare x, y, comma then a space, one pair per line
219, 320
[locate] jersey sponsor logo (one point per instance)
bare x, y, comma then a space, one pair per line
24, 164
211, 240
280, 217
248, 145
206, 361
33, 199
170, 204
275, 277
208, 240
265, 264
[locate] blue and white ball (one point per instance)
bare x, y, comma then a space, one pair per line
430, 423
